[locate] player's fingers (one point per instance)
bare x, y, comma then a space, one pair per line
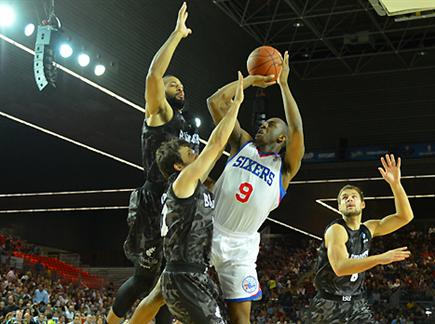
182, 9
393, 160
387, 158
382, 172
399, 162
384, 164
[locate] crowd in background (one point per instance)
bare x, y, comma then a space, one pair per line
399, 293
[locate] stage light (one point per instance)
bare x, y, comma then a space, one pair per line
197, 122
7, 15
65, 50
99, 69
29, 29
84, 60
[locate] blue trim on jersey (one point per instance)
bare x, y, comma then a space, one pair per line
282, 191
264, 154
238, 151
257, 296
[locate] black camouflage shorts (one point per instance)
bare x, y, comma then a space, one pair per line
336, 312
143, 245
193, 298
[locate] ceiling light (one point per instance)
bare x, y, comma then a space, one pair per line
65, 50
29, 29
84, 60
99, 69
7, 15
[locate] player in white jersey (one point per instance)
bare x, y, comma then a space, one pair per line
254, 181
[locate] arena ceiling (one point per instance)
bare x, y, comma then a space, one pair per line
336, 37
326, 39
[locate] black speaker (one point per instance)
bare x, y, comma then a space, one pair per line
45, 71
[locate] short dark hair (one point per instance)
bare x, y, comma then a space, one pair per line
348, 186
168, 154
167, 76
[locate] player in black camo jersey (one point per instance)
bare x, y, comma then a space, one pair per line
187, 224
344, 253
164, 120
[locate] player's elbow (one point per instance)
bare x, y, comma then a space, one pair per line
409, 216
211, 104
339, 269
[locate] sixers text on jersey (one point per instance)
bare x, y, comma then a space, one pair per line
255, 168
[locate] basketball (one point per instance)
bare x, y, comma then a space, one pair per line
264, 60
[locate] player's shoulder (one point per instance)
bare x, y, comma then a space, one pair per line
371, 225
336, 232
335, 228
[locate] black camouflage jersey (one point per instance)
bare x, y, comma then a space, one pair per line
143, 243
153, 137
187, 226
326, 281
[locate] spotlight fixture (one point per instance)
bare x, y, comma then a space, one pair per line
197, 122
7, 15
84, 60
29, 29
298, 24
65, 50
99, 69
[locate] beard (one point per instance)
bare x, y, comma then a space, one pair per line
351, 213
175, 103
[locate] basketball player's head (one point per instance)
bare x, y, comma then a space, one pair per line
174, 91
174, 155
272, 132
350, 201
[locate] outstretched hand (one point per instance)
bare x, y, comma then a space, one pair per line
239, 96
395, 255
181, 21
261, 81
390, 171
285, 70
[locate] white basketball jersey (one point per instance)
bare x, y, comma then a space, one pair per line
249, 188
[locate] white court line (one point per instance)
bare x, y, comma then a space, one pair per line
294, 228
322, 200
319, 201
66, 209
419, 176
55, 193
384, 197
67, 139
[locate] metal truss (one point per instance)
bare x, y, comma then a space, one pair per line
335, 37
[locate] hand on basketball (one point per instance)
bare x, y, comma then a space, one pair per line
390, 171
181, 21
285, 70
395, 255
262, 81
239, 96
